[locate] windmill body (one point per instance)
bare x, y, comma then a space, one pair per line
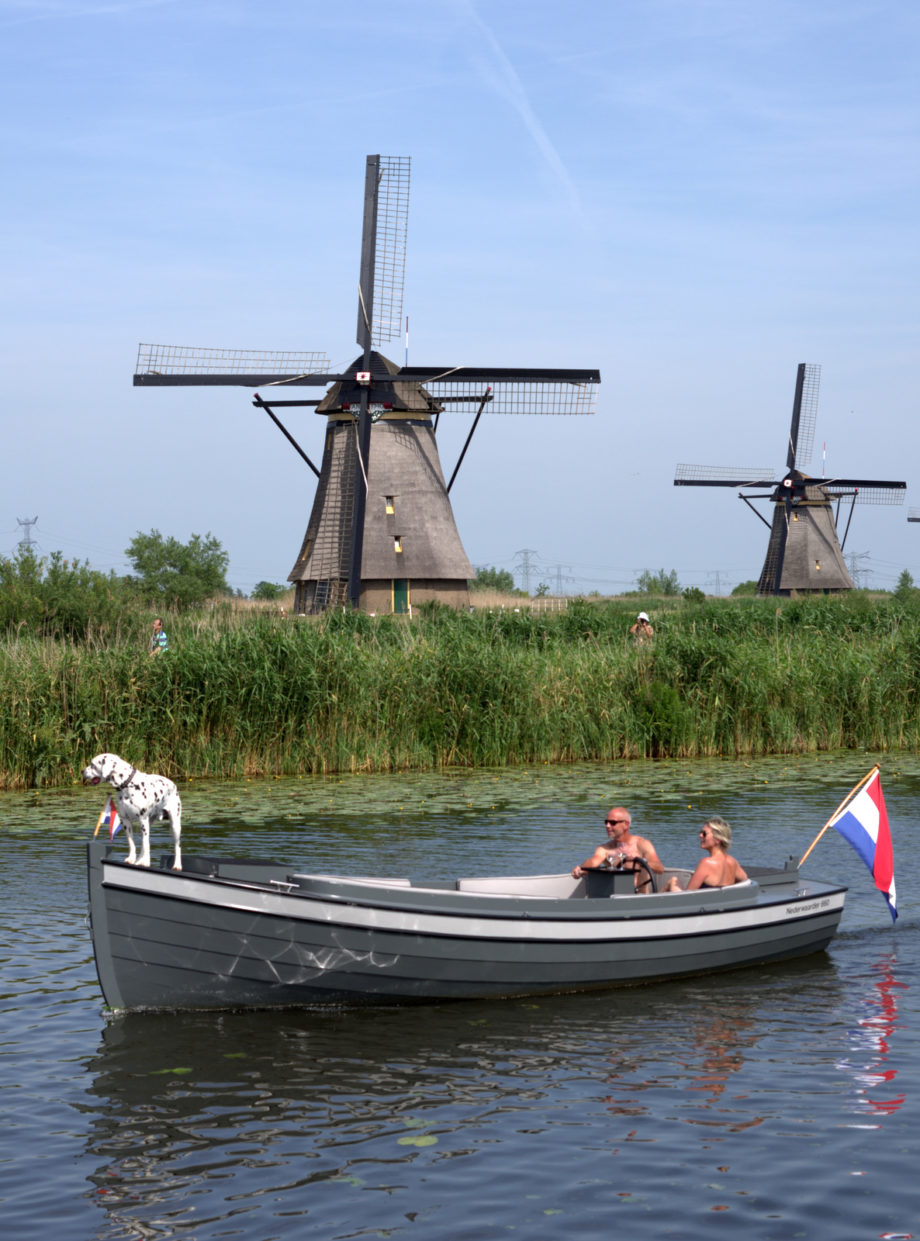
804, 552
409, 535
381, 534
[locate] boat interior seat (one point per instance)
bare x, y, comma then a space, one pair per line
559, 887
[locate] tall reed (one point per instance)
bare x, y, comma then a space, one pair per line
261, 693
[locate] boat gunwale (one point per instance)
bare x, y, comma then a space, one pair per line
449, 903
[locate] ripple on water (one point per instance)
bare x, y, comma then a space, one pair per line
764, 1103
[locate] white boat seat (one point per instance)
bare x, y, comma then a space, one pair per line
559, 887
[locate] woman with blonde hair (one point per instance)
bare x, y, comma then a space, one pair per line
720, 869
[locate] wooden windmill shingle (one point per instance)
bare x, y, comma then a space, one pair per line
804, 553
381, 534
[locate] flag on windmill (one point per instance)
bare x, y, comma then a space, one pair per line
109, 818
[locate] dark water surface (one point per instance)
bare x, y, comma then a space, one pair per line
780, 1102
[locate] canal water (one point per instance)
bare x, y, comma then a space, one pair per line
778, 1102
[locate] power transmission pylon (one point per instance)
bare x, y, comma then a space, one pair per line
27, 523
526, 567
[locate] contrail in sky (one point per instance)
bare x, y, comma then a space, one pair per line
22, 11
499, 73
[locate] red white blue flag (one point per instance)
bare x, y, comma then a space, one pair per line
864, 823
109, 818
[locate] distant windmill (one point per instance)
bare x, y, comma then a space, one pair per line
804, 552
381, 534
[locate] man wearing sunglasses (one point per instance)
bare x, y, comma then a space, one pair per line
620, 846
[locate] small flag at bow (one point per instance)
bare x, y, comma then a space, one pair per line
863, 821
109, 818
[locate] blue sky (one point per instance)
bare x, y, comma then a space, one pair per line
691, 195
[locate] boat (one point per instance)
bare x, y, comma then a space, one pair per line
249, 933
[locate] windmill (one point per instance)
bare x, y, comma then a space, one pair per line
804, 552
381, 534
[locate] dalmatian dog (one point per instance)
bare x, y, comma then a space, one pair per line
140, 798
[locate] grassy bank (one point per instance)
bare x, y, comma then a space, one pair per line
257, 693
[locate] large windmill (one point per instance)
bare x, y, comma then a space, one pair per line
804, 552
381, 534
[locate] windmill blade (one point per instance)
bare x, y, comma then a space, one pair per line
804, 416
383, 249
867, 490
723, 476
168, 366
514, 391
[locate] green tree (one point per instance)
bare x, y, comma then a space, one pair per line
905, 591
745, 588
693, 594
660, 583
178, 574
493, 579
268, 590
60, 598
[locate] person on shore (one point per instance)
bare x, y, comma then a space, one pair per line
642, 630
622, 845
719, 869
158, 641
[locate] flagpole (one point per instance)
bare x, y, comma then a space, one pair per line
99, 820
852, 793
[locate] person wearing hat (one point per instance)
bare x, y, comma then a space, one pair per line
641, 631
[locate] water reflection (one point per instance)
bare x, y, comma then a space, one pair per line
208, 1116
870, 1040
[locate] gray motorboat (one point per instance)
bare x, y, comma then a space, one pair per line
234, 933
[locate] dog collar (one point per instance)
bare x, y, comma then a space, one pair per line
119, 787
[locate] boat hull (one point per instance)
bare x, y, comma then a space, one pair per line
227, 935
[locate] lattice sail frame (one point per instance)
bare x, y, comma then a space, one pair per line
390, 258
520, 397
864, 495
191, 360
808, 414
726, 475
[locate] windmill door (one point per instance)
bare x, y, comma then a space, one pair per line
400, 594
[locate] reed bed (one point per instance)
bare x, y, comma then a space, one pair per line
252, 692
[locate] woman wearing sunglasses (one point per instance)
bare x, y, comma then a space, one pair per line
719, 869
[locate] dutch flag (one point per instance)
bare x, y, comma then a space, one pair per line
109, 818
864, 823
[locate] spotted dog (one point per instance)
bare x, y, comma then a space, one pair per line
140, 798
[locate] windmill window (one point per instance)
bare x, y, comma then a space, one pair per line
397, 543
818, 565
390, 505
795, 517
